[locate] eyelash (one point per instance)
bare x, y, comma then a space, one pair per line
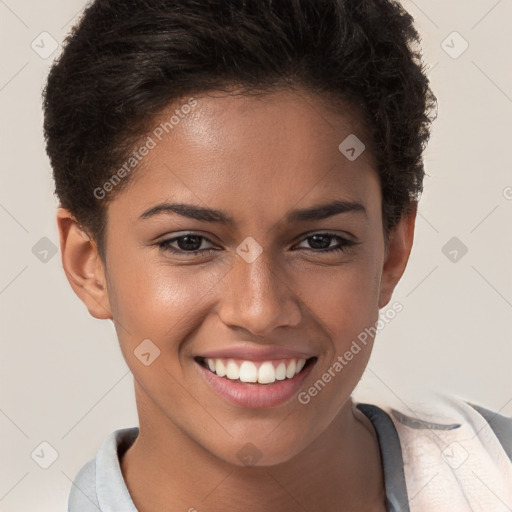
344, 244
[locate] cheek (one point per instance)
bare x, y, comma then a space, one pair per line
160, 301
345, 298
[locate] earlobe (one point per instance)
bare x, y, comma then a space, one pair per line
397, 255
82, 265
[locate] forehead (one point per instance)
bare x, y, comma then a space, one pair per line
246, 154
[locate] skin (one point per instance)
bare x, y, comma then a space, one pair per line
256, 158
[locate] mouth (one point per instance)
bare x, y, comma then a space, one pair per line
255, 384
261, 372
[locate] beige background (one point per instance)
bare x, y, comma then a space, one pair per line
63, 380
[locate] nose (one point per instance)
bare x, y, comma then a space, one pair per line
259, 297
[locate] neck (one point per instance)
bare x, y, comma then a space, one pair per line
340, 470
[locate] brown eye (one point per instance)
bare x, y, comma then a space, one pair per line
322, 243
190, 243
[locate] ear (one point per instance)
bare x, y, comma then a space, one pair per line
82, 265
397, 255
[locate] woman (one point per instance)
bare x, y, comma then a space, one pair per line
238, 183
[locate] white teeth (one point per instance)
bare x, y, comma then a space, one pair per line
247, 371
232, 370
266, 373
300, 365
281, 371
290, 369
220, 369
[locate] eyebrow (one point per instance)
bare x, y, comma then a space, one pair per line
318, 212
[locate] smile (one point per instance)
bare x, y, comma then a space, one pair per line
255, 384
262, 372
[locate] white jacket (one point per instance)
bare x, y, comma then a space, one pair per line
442, 455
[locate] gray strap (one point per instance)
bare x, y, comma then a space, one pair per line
501, 425
391, 454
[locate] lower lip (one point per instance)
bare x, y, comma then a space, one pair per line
253, 395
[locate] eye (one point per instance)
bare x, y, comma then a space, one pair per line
189, 243
321, 243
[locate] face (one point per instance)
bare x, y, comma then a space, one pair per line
246, 242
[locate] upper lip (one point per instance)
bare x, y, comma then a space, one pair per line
256, 353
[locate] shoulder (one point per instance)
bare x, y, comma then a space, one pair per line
443, 417
456, 454
99, 483
82, 496
501, 426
